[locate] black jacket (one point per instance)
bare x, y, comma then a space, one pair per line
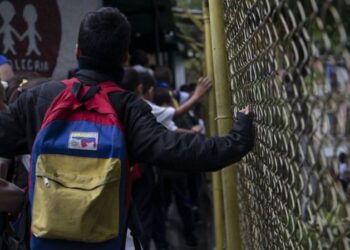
147, 141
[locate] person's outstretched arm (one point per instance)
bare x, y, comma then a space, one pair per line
203, 86
150, 142
147, 140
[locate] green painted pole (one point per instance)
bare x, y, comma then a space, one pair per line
216, 177
224, 120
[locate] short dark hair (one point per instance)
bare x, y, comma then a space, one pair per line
131, 79
163, 73
147, 81
104, 35
139, 57
189, 87
162, 97
342, 157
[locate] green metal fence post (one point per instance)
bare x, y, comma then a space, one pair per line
224, 119
216, 177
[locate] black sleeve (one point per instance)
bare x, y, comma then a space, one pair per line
150, 142
13, 129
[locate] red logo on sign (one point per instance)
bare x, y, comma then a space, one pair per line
30, 34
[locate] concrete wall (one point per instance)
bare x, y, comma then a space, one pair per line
71, 14
180, 72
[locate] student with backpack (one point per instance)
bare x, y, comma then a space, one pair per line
84, 133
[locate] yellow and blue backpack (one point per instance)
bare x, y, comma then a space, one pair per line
79, 178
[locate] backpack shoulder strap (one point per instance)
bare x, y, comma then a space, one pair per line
104, 87
70, 81
110, 87
77, 94
107, 88
76, 88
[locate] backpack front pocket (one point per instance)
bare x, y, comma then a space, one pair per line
76, 198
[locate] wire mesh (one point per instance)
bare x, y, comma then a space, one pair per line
289, 60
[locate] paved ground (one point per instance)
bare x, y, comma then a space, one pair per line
204, 228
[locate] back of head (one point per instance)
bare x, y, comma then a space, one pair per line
147, 81
104, 36
162, 97
131, 79
139, 57
188, 87
163, 74
342, 157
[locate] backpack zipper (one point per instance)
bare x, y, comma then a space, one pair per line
46, 182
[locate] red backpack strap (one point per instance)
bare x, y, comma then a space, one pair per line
105, 87
80, 91
73, 98
67, 100
70, 82
110, 87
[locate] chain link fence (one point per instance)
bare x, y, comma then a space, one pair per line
289, 60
